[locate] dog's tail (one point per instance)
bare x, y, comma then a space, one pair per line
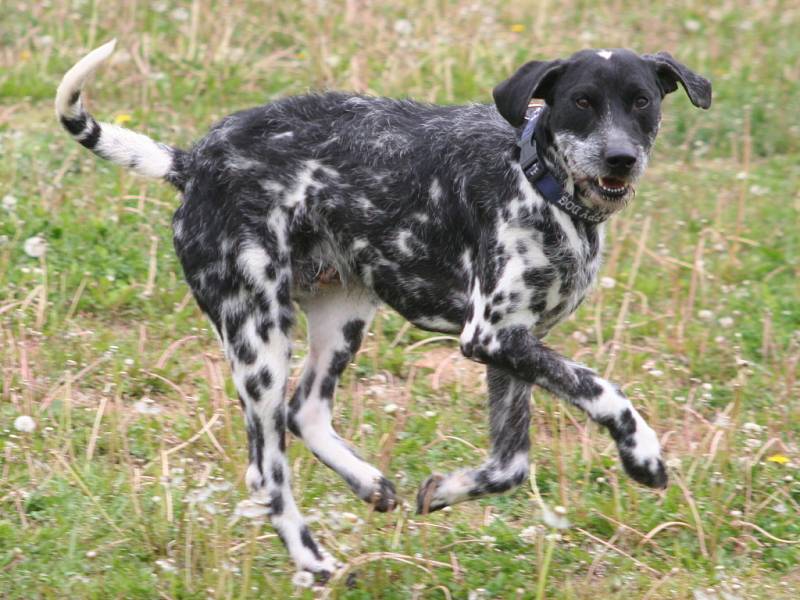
111, 142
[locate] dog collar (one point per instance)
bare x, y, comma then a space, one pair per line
540, 177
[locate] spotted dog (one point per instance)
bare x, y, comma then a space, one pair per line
336, 202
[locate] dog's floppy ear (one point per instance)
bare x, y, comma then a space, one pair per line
669, 72
532, 80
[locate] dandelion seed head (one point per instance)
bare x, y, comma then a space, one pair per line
303, 579
403, 27
146, 406
608, 282
35, 246
166, 565
251, 509
25, 424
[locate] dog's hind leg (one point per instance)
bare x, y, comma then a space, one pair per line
261, 384
255, 324
337, 319
507, 465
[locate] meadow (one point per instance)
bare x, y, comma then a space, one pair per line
127, 479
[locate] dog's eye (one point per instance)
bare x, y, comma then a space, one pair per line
642, 102
583, 103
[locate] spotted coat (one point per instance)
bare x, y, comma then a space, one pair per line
337, 202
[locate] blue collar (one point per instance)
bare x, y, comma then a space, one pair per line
548, 186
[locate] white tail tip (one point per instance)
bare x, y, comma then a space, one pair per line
74, 79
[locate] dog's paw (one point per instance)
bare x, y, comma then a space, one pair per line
428, 500
641, 457
383, 496
650, 472
320, 570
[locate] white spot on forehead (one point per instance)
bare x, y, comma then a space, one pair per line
605, 54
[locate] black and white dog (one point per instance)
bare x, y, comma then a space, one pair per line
338, 202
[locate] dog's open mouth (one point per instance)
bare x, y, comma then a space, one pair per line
610, 187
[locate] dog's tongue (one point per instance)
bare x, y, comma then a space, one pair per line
612, 183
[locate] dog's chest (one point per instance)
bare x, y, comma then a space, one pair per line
546, 270
573, 278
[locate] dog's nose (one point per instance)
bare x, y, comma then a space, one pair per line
620, 158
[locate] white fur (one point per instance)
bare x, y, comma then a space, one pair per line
122, 145
117, 144
74, 79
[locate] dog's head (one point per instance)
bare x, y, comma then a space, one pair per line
603, 113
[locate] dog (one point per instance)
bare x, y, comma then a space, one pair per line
337, 202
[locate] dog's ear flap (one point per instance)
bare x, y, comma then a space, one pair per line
669, 72
532, 80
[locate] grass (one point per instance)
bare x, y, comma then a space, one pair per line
128, 486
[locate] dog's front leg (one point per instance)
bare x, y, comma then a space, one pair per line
516, 350
515, 360
507, 465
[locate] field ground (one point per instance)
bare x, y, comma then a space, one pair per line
129, 484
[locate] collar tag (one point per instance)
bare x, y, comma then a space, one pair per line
540, 177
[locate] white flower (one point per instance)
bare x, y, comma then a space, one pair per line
780, 508
166, 565
303, 579
25, 424
222, 486
180, 14
9, 202
705, 315
722, 420
391, 408
198, 495
555, 518
580, 337
674, 463
251, 509
751, 427
403, 27
725, 321
35, 246
607, 282
146, 406
692, 25
528, 535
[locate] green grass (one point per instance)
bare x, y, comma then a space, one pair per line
701, 327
